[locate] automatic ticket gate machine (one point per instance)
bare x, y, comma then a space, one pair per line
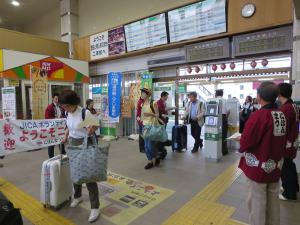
213, 130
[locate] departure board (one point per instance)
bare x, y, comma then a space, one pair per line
203, 51
279, 39
197, 20
146, 33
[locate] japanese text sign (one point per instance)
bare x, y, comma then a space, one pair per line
23, 135
99, 45
114, 95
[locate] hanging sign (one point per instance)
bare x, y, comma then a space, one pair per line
23, 135
9, 103
114, 96
99, 45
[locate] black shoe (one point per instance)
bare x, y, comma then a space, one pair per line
157, 161
168, 143
194, 150
149, 166
163, 155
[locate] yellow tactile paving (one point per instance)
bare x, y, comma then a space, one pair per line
235, 222
203, 208
32, 209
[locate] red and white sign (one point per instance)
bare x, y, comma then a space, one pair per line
23, 135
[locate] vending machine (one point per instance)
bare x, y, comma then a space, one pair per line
213, 130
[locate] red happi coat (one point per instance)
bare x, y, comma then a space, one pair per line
262, 143
291, 113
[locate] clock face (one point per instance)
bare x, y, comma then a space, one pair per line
248, 10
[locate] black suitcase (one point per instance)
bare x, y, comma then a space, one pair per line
9, 215
179, 137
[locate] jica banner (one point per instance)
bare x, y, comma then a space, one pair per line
114, 96
23, 135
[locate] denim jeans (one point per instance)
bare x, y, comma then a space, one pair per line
150, 149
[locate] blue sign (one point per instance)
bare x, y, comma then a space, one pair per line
114, 95
97, 90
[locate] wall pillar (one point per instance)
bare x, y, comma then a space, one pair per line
69, 23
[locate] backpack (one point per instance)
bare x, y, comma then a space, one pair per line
9, 215
160, 121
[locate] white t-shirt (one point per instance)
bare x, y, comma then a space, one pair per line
73, 121
58, 111
225, 107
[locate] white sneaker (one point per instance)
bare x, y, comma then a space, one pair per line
76, 202
281, 189
94, 215
281, 197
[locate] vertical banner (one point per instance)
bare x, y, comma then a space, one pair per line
114, 96
9, 103
39, 92
147, 80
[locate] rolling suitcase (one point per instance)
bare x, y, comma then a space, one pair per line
56, 184
179, 137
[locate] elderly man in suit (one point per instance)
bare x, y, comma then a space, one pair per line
194, 114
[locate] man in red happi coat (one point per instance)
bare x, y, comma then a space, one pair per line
289, 176
262, 144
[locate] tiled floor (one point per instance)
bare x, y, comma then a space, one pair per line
185, 173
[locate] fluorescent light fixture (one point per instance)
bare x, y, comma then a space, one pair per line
266, 79
15, 3
227, 81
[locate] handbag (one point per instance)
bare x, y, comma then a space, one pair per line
88, 163
155, 132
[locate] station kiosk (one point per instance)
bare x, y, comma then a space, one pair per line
213, 130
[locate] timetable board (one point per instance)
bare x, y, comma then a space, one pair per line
209, 50
197, 20
278, 39
146, 33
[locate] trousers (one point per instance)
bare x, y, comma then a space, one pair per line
263, 203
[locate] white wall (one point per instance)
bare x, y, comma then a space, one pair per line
47, 26
96, 15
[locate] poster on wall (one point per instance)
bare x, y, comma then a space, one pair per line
9, 103
116, 41
147, 80
196, 20
99, 45
39, 92
96, 95
24, 135
55, 70
125, 107
114, 96
134, 94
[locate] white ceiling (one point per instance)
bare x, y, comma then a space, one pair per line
29, 10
